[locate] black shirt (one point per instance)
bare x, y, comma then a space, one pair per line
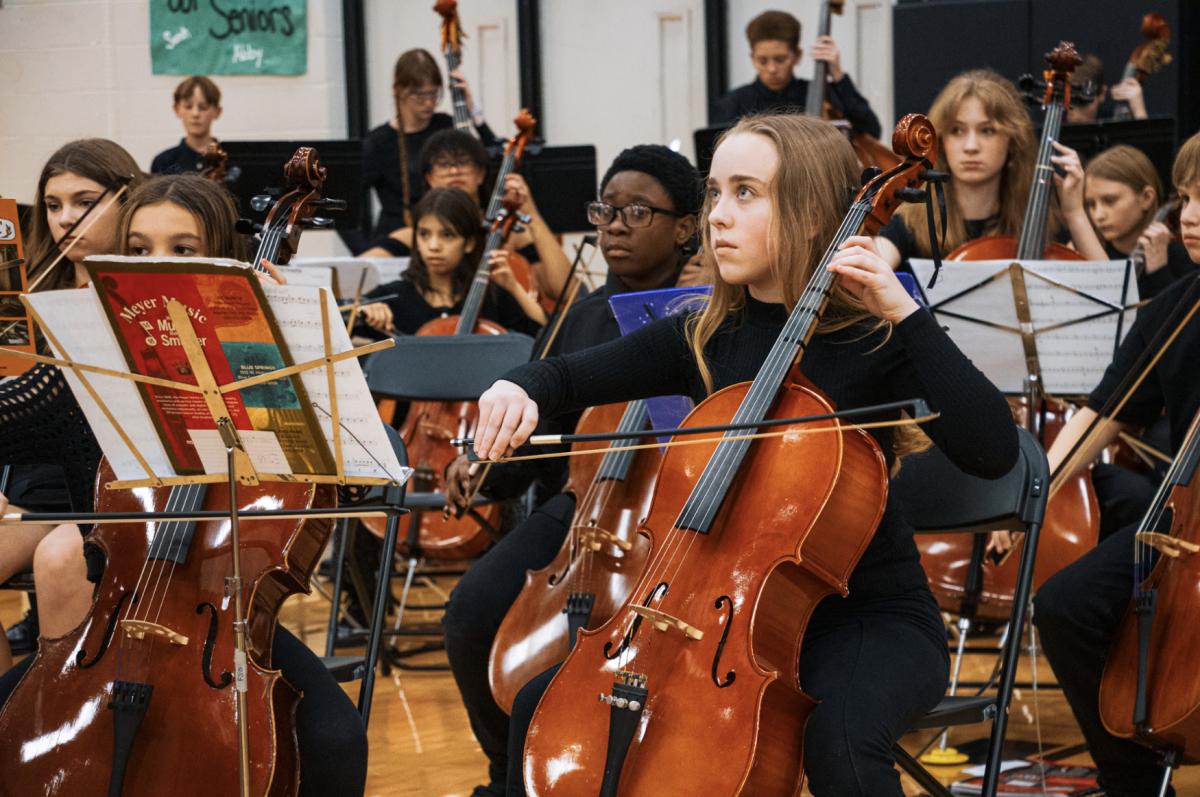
862, 365
178, 160
1150, 284
901, 235
756, 97
410, 311
381, 168
1174, 382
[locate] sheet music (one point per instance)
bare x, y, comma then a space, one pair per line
348, 270
298, 313
310, 276
77, 319
1072, 358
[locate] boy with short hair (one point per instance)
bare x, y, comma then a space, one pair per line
774, 38
198, 105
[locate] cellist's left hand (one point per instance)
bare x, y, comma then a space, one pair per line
273, 275
868, 276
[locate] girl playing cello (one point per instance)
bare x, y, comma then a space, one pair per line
776, 197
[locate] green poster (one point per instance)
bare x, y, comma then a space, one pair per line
228, 37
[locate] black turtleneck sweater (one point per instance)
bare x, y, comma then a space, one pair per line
1179, 264
756, 98
858, 366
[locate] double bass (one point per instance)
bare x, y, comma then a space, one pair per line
1072, 522
112, 707
699, 666
869, 150
430, 426
594, 571
452, 37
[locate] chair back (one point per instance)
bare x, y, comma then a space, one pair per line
445, 367
940, 498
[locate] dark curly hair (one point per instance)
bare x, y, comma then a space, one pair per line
673, 171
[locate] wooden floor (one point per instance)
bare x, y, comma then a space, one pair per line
422, 746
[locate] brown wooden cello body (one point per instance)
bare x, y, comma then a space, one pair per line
56, 730
594, 571
1168, 601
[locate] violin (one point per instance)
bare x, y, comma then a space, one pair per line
452, 37
429, 426
215, 159
593, 573
697, 672
1147, 58
1149, 691
150, 670
869, 150
1072, 523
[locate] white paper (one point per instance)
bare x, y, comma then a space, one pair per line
348, 271
1073, 358
263, 449
78, 320
310, 276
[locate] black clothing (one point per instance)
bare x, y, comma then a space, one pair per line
43, 424
1179, 265
857, 366
901, 235
381, 168
1172, 384
1078, 611
756, 97
394, 248
479, 604
864, 707
38, 488
178, 160
329, 730
410, 311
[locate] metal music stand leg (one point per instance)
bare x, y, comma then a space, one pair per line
1166, 782
339, 563
379, 613
233, 588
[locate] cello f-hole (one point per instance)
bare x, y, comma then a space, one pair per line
108, 632
627, 640
206, 663
731, 675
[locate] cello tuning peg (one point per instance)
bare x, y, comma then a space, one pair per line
317, 224
518, 228
248, 227
330, 204
524, 218
870, 173
260, 202
910, 194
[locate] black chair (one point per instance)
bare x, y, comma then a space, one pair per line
939, 498
362, 668
441, 368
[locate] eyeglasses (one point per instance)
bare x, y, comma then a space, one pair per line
433, 95
602, 214
447, 165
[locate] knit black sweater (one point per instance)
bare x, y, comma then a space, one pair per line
858, 366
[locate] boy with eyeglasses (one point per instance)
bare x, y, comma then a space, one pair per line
645, 217
198, 105
775, 52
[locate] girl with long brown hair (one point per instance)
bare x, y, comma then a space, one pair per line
166, 216
392, 151
1122, 193
987, 146
776, 197
90, 174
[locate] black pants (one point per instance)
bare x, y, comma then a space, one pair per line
330, 733
1078, 612
876, 667
477, 607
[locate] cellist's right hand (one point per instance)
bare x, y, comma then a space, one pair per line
999, 541
507, 416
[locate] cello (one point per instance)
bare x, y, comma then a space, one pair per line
1072, 522
705, 650
108, 708
869, 150
593, 573
430, 426
452, 37
1147, 58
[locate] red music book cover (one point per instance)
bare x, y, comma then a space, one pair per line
16, 325
240, 338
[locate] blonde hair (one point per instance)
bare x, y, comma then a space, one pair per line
1002, 104
1129, 166
809, 195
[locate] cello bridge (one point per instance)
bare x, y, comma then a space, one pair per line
436, 430
138, 629
595, 538
664, 622
1165, 543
